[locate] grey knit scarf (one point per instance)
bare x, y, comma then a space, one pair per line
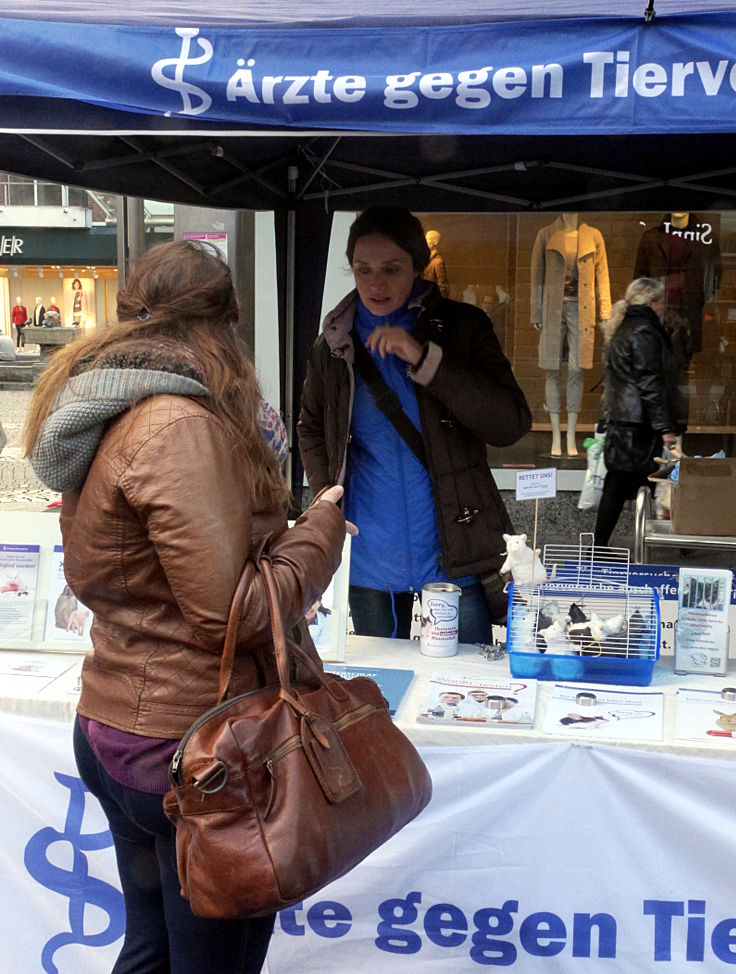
68, 441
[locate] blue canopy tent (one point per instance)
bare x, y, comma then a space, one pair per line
307, 108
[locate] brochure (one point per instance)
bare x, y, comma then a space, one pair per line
67, 619
701, 644
576, 711
328, 617
393, 684
18, 581
475, 700
706, 715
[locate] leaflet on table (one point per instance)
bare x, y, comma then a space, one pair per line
704, 715
327, 618
393, 683
18, 582
702, 639
608, 714
473, 699
31, 673
67, 619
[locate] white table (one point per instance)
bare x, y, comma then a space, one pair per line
580, 855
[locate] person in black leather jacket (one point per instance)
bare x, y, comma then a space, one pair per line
640, 399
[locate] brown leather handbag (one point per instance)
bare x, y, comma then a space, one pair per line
279, 791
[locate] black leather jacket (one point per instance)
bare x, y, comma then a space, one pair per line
641, 394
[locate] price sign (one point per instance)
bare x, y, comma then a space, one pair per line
532, 484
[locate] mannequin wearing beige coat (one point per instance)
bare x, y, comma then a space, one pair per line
570, 293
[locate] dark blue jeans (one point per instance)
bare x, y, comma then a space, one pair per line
162, 935
374, 614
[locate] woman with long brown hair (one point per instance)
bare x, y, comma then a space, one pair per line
150, 429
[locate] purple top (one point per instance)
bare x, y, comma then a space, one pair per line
134, 761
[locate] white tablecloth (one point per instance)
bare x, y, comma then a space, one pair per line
560, 856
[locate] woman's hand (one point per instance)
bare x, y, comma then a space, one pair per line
388, 340
332, 495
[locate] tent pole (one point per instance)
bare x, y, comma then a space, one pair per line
293, 174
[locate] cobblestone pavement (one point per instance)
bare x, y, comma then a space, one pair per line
20, 488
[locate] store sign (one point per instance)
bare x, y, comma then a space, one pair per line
11, 246
46, 245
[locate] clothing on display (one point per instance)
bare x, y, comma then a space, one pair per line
39, 313
18, 318
435, 270
685, 253
570, 294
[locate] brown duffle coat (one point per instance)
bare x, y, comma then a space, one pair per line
547, 283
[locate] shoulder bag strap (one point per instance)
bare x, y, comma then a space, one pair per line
281, 651
387, 401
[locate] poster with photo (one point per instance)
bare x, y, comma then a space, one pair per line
579, 711
706, 715
465, 698
702, 634
18, 582
67, 619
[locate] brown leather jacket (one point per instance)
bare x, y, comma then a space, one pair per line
154, 544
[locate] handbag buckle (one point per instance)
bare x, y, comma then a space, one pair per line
212, 778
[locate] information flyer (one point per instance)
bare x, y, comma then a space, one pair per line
706, 715
18, 581
67, 619
577, 711
702, 635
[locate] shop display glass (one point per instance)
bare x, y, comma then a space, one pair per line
492, 260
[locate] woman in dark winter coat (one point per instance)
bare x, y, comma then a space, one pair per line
420, 520
641, 396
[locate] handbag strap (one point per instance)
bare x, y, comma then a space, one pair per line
231, 632
278, 633
387, 401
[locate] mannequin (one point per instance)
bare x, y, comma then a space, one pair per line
435, 269
79, 304
684, 251
39, 313
19, 316
53, 306
570, 294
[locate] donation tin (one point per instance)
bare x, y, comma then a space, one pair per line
440, 613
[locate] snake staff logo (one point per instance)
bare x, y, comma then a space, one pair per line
75, 883
176, 82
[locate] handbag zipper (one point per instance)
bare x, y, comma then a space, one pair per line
295, 741
175, 766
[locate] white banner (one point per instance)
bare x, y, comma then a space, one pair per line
545, 857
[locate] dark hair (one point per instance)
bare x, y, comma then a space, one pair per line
396, 223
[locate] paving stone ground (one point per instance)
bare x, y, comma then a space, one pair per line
20, 488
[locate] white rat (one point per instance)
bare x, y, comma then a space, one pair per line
523, 563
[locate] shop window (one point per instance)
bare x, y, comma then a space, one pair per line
492, 261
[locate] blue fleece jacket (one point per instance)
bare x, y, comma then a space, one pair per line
388, 492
